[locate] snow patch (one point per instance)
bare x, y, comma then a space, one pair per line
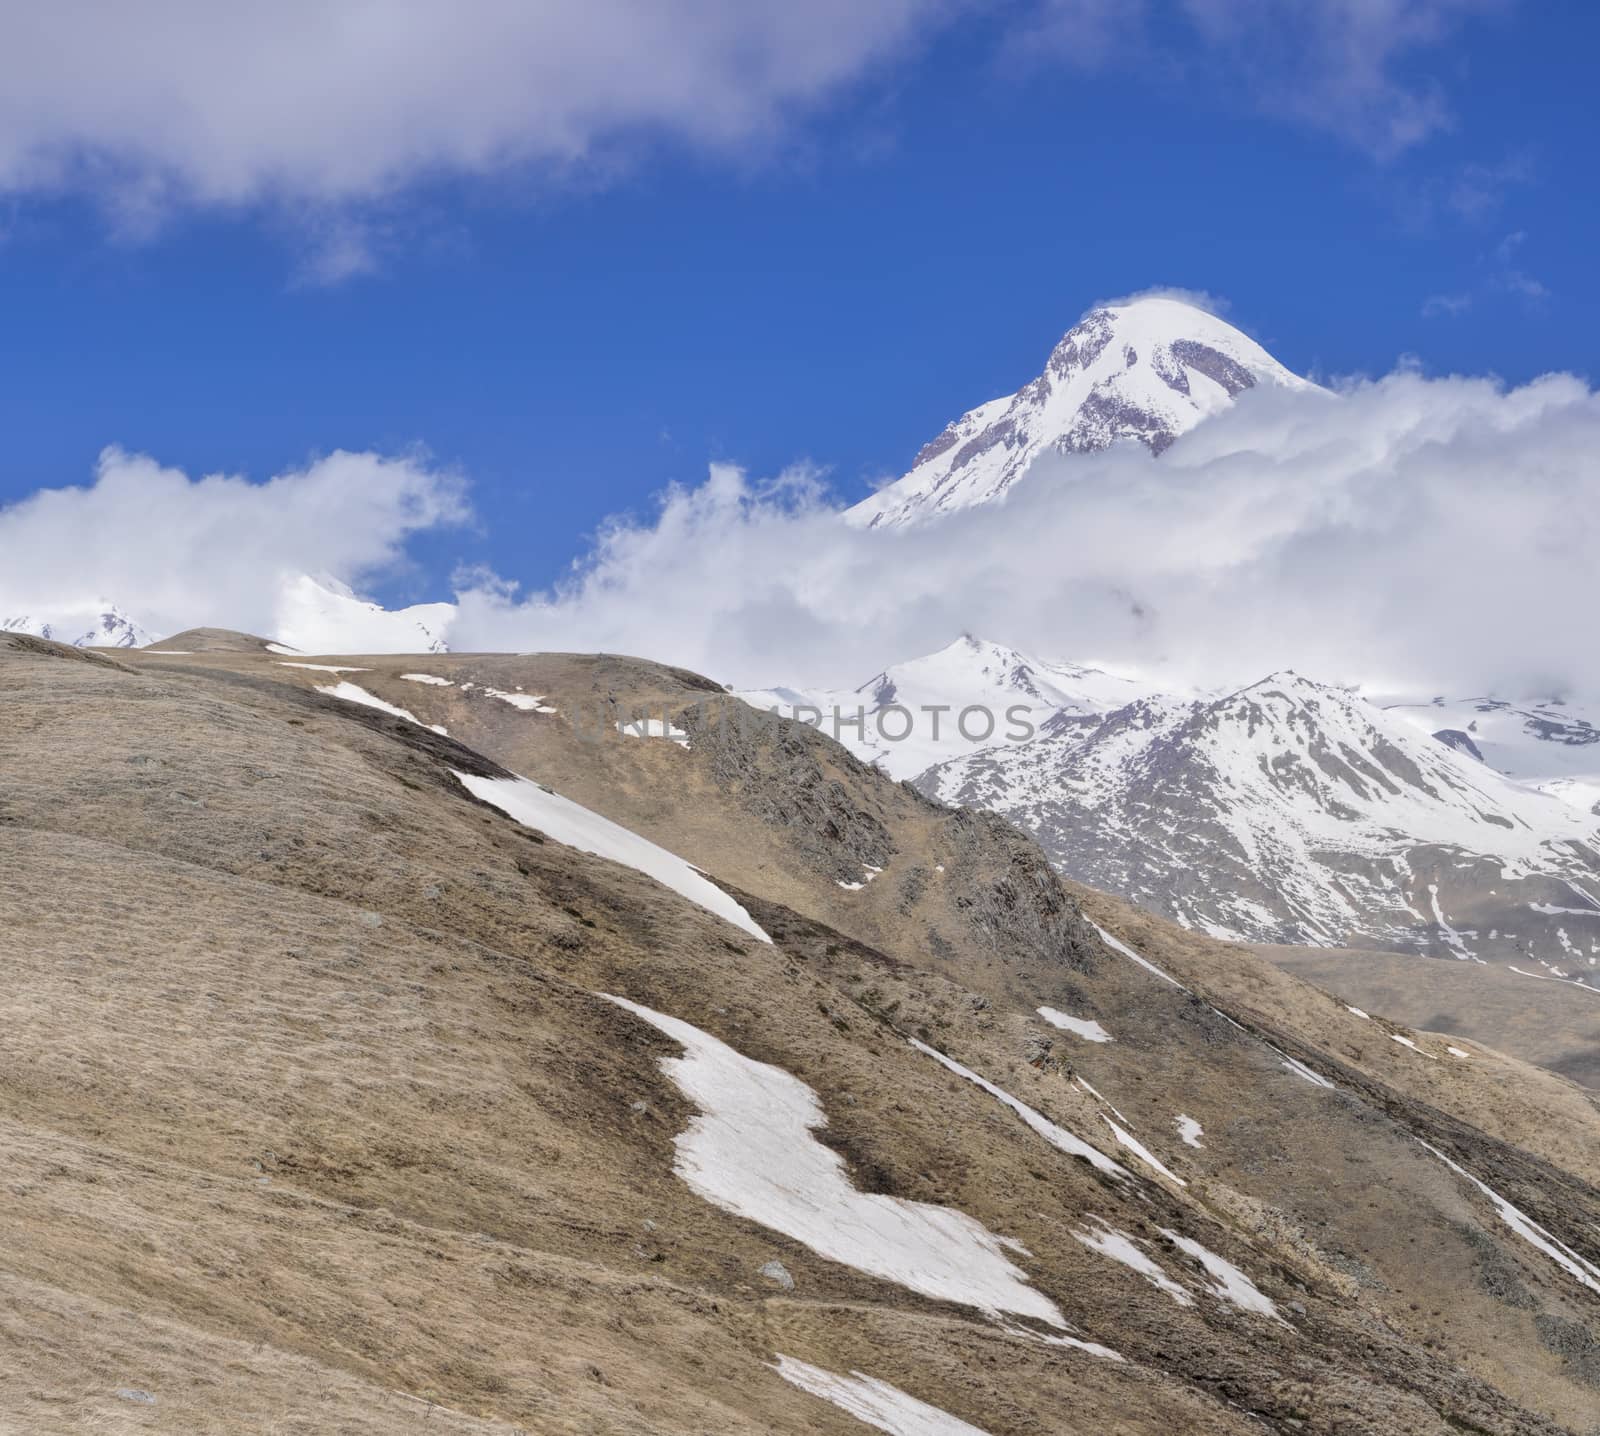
1095, 1092
1057, 1137
750, 1151
527, 702
874, 1403
1189, 1131
1084, 1027
1301, 1070
535, 806
1228, 1282
1529, 1230
321, 667
432, 678
1120, 1247
1143, 1153
1117, 945
351, 693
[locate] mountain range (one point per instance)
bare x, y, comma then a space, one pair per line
1290, 811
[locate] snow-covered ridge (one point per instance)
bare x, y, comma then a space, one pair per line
310, 615
1545, 744
325, 616
1285, 811
909, 716
1295, 811
1147, 370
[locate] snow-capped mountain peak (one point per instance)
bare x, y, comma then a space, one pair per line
322, 615
1148, 369
977, 670
1021, 694
95, 625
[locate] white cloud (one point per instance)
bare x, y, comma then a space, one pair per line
311, 106
177, 552
1199, 298
1412, 533
223, 102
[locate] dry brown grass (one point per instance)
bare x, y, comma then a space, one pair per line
311, 1121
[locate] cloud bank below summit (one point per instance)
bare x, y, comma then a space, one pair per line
1415, 534
1402, 534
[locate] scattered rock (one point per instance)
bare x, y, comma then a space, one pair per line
777, 1273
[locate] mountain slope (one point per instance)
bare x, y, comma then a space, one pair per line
320, 1107
1146, 370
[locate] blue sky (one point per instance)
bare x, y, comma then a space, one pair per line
832, 282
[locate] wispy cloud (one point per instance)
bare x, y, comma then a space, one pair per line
1199, 298
1477, 191
1347, 67
1501, 274
1510, 277
324, 111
